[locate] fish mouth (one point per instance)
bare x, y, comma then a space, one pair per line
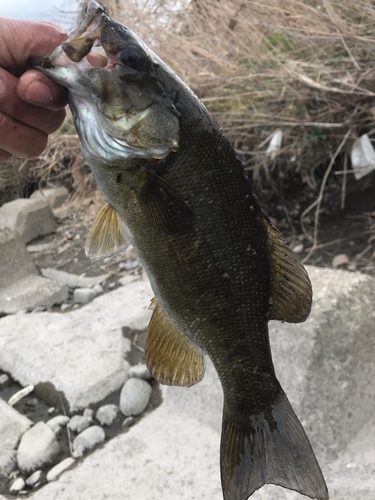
83, 49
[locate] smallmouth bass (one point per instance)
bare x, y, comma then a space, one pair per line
219, 269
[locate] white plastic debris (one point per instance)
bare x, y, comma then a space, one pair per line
363, 157
58, 469
275, 144
20, 395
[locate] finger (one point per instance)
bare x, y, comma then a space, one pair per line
19, 139
20, 40
4, 155
38, 89
28, 114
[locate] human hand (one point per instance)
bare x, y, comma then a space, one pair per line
31, 104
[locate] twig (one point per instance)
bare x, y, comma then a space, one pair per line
318, 201
344, 180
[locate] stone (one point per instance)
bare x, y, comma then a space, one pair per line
29, 293
12, 426
186, 427
107, 414
29, 217
38, 447
72, 280
20, 286
98, 289
54, 196
56, 424
134, 397
79, 353
78, 423
65, 307
15, 261
87, 440
17, 486
4, 380
58, 469
34, 478
83, 295
140, 371
89, 413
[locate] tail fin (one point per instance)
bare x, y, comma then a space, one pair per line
272, 448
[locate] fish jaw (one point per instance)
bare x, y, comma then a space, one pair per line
120, 113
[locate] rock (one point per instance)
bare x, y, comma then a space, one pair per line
128, 422
17, 486
298, 248
12, 426
340, 260
327, 359
87, 440
89, 413
107, 414
65, 307
29, 293
56, 471
129, 265
34, 478
37, 448
134, 397
98, 289
20, 286
73, 280
140, 371
79, 353
79, 423
57, 423
15, 261
4, 380
83, 295
29, 217
54, 196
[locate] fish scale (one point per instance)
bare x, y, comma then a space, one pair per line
219, 269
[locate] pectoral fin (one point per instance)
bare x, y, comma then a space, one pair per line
106, 237
165, 207
170, 356
290, 285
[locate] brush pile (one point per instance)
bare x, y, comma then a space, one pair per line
302, 67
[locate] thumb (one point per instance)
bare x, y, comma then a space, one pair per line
20, 40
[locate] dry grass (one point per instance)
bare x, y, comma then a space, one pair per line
302, 66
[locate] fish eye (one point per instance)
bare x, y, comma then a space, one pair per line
132, 57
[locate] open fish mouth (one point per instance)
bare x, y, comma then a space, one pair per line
119, 106
82, 50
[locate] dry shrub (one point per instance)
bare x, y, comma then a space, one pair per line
305, 67
302, 66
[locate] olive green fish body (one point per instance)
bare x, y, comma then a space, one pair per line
176, 190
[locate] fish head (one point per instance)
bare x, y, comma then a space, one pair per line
119, 103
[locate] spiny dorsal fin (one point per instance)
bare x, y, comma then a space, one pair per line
106, 237
170, 356
290, 285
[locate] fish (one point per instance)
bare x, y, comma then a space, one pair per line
175, 189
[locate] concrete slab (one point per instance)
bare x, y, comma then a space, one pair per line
30, 292
54, 196
79, 353
174, 451
12, 426
15, 261
29, 217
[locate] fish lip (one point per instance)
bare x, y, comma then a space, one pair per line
89, 31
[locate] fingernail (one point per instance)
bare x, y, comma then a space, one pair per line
38, 92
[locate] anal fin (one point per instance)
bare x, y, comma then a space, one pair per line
170, 356
290, 284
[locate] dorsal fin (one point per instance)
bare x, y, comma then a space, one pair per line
170, 356
290, 285
106, 237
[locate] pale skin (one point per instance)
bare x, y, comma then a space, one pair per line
31, 104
